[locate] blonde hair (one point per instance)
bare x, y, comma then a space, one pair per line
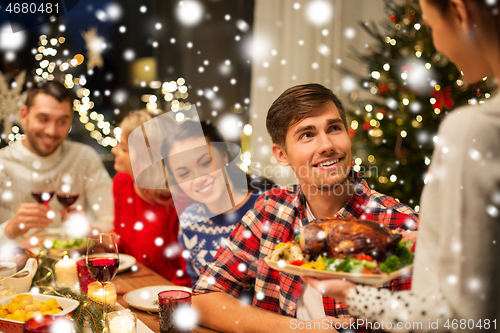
134, 120
128, 124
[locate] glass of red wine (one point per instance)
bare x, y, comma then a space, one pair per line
102, 261
43, 188
68, 189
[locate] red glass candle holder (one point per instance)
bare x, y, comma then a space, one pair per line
168, 302
48, 324
84, 276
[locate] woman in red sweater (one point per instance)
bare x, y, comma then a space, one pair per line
145, 220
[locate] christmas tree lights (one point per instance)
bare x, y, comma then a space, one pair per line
398, 107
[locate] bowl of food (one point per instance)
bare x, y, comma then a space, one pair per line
63, 244
360, 251
7, 268
15, 310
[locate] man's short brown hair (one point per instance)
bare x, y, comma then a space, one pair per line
295, 104
51, 88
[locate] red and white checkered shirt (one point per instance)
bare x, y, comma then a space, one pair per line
275, 218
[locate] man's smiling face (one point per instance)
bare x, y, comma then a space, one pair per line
318, 148
47, 124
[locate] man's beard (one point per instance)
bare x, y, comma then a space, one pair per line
36, 148
324, 187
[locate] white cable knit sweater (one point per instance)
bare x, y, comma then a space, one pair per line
456, 277
17, 165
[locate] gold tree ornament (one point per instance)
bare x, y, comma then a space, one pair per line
11, 100
95, 46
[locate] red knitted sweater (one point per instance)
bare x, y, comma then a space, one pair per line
148, 232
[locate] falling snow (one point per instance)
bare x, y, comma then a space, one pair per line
129, 55
324, 50
145, 294
474, 284
348, 84
474, 154
350, 33
159, 241
185, 317
242, 25
319, 12
492, 211
189, 13
150, 216
7, 195
392, 103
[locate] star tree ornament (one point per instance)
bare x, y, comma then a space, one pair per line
397, 108
11, 99
95, 46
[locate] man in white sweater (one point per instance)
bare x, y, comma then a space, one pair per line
44, 152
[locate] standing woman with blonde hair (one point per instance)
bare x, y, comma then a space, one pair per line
456, 277
145, 220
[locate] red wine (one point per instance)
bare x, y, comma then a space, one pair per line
67, 199
42, 197
103, 269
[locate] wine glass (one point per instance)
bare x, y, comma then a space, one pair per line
68, 189
102, 261
43, 188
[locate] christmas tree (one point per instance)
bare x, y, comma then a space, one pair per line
397, 109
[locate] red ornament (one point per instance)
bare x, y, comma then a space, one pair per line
352, 132
412, 15
367, 126
406, 68
382, 111
443, 98
382, 88
393, 18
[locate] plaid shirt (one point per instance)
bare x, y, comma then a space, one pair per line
276, 218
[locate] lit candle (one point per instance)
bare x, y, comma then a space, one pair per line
122, 324
96, 291
66, 273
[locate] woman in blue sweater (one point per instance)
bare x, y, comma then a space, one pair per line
204, 167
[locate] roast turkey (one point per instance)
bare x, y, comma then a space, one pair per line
339, 238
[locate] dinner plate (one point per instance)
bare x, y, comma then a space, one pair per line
146, 298
368, 279
126, 261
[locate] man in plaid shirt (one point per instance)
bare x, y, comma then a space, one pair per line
309, 131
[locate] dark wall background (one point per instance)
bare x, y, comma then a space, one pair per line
213, 39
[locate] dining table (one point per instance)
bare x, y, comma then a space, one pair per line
140, 277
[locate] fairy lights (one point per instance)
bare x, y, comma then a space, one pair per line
94, 122
173, 92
